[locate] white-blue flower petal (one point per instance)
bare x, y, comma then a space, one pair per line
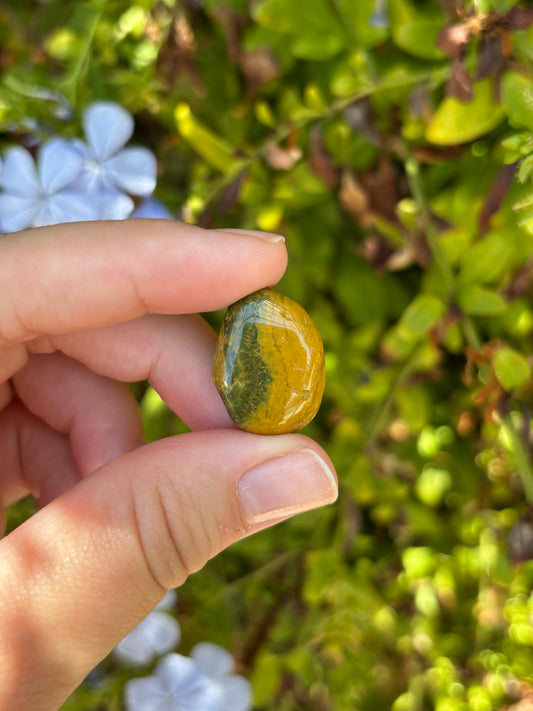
177, 684
57, 209
19, 174
146, 695
48, 214
190, 687
180, 674
91, 179
152, 209
214, 660
237, 693
112, 204
156, 634
59, 165
107, 127
72, 206
81, 147
133, 170
17, 212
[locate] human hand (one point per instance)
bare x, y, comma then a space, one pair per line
84, 309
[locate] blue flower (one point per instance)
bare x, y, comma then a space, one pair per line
157, 634
379, 17
111, 172
218, 665
153, 209
77, 180
43, 194
177, 684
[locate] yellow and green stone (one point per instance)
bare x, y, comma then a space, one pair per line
269, 364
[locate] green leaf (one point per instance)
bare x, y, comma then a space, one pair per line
415, 30
357, 16
525, 169
475, 300
266, 675
515, 91
485, 260
515, 147
418, 562
316, 34
420, 316
524, 202
456, 122
511, 368
432, 485
212, 149
361, 295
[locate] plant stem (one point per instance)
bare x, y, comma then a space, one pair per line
521, 459
377, 417
413, 175
70, 83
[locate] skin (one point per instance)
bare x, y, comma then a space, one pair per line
85, 309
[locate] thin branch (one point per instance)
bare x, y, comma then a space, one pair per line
520, 455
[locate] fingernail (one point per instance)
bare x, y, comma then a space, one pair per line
267, 236
286, 485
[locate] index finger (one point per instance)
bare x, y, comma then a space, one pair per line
77, 276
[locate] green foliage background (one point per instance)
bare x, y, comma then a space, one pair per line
396, 158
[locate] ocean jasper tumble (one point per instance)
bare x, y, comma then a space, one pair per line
269, 364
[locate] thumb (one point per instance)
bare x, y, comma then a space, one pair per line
87, 568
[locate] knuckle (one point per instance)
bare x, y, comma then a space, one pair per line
175, 538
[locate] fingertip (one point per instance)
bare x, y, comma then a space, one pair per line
276, 256
259, 234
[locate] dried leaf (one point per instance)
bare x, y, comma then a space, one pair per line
281, 158
231, 193
520, 549
453, 40
377, 252
520, 18
381, 186
320, 161
232, 25
419, 102
520, 284
460, 82
358, 116
259, 67
436, 154
491, 57
451, 8
355, 200
495, 196
176, 57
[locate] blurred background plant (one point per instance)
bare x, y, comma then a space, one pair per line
392, 143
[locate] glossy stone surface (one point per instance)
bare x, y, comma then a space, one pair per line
269, 364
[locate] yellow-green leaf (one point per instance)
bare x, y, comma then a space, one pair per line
515, 89
457, 122
420, 316
416, 31
485, 260
432, 485
475, 300
511, 368
212, 149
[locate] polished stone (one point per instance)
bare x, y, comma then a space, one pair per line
269, 364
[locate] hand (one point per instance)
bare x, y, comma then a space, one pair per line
85, 308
